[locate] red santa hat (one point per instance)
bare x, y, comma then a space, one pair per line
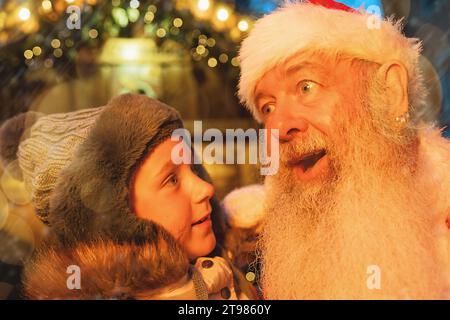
326, 26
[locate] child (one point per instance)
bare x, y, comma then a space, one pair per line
126, 222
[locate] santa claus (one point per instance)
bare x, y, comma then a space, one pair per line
360, 205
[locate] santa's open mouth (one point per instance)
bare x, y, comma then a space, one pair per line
309, 160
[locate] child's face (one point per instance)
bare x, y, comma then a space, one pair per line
177, 199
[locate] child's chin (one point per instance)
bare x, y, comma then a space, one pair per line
205, 247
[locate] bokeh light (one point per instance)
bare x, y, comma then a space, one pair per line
212, 62
24, 14
203, 5
243, 25
223, 14
47, 5
4, 209
13, 187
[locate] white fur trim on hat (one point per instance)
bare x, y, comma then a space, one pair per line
302, 26
244, 207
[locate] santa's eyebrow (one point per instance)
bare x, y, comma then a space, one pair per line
294, 68
262, 95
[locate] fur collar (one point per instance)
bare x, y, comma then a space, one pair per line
107, 270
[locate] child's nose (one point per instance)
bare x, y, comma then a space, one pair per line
202, 191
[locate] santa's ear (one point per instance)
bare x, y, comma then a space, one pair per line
395, 77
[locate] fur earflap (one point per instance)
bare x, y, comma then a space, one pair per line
106, 270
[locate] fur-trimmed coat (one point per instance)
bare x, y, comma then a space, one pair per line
107, 270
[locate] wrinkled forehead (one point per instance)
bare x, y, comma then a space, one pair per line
309, 60
313, 62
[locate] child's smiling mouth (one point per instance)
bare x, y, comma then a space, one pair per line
202, 220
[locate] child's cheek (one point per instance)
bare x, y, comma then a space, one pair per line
183, 231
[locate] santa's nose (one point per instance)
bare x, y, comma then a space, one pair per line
287, 125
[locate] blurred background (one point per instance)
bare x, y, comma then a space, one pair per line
66, 55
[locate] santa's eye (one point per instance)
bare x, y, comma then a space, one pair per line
267, 108
307, 86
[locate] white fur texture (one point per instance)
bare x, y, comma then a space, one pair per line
299, 26
243, 207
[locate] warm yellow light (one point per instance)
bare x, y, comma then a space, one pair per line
2, 19
223, 14
93, 33
4, 209
212, 62
211, 42
57, 53
223, 58
127, 50
70, 1
250, 276
24, 14
177, 22
161, 33
149, 16
47, 5
235, 62
203, 5
202, 39
235, 34
55, 43
243, 25
129, 53
37, 51
28, 54
201, 49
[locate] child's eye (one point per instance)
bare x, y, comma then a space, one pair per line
173, 179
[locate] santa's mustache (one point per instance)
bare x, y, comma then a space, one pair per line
302, 147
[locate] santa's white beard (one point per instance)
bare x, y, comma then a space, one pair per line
320, 238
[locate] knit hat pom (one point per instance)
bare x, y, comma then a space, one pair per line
12, 132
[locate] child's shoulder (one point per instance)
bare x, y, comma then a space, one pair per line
223, 281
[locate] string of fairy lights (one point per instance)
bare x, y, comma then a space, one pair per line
209, 29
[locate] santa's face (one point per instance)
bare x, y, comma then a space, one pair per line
357, 202
304, 98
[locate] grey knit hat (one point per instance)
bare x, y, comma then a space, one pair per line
79, 166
